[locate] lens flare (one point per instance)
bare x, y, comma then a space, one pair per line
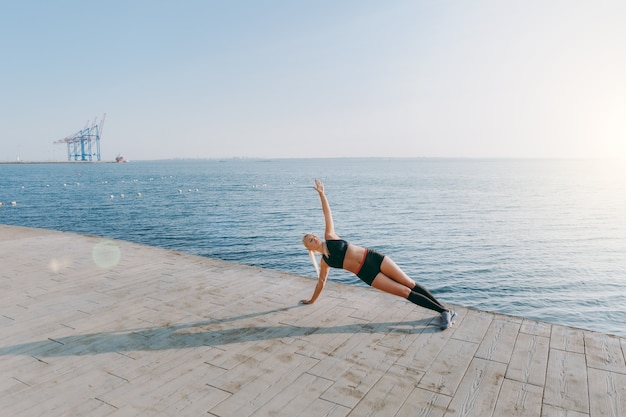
56, 265
106, 254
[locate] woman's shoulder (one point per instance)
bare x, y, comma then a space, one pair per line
337, 244
335, 240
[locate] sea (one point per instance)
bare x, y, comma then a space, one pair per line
543, 239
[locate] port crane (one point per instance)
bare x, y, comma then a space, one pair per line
80, 144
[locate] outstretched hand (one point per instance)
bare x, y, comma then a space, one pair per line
319, 186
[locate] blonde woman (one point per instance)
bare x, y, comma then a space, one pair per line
371, 267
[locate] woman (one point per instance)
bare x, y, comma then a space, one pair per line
371, 267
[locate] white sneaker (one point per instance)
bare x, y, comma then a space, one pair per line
447, 319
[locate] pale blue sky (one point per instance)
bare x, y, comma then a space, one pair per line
209, 79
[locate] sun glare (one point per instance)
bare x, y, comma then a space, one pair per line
106, 254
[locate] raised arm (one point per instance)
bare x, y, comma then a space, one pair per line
329, 232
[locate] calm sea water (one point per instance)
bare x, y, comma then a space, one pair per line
543, 239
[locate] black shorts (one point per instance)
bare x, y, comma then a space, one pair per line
370, 266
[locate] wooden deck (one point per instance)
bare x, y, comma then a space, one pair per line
152, 332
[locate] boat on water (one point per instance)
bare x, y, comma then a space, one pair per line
120, 159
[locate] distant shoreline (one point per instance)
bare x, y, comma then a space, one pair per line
357, 158
55, 162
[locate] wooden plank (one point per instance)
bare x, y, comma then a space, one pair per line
448, 369
255, 366
604, 352
352, 386
338, 327
156, 365
325, 408
330, 368
424, 403
423, 351
9, 386
294, 398
190, 395
552, 411
276, 375
366, 309
529, 360
64, 392
31, 371
143, 390
90, 407
499, 342
536, 328
472, 326
408, 329
386, 397
478, 391
194, 400
367, 369
607, 393
183, 393
567, 338
320, 343
566, 381
518, 399
322, 312
399, 324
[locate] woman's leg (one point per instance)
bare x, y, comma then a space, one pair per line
423, 291
388, 285
393, 271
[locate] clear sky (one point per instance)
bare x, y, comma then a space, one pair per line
285, 78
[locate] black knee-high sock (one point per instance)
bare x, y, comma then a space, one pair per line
423, 291
425, 302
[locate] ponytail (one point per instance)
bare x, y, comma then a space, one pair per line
314, 261
312, 254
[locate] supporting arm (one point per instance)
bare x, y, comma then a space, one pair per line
321, 282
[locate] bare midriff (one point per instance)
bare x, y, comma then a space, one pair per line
354, 258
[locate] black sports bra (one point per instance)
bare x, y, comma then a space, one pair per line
337, 250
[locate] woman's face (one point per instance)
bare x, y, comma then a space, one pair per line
311, 242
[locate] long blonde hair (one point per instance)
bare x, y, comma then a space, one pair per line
314, 261
312, 255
